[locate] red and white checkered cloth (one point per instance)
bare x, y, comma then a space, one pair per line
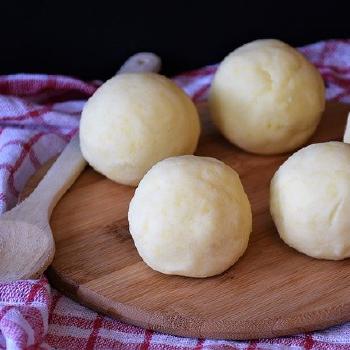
38, 116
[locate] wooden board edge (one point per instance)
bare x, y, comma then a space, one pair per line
196, 328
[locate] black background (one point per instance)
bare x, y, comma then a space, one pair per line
91, 39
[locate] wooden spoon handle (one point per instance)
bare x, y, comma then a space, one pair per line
60, 177
71, 163
141, 62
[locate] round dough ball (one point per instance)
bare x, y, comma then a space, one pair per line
190, 216
266, 97
134, 120
310, 200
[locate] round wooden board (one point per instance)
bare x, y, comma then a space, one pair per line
271, 291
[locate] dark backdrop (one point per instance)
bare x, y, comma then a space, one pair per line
91, 39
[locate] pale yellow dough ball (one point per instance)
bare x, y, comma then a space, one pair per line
266, 97
134, 120
190, 216
310, 200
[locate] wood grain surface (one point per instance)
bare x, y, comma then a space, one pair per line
271, 291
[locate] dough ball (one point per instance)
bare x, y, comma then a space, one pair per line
190, 216
134, 120
266, 97
310, 200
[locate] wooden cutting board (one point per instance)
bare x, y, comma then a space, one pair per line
271, 291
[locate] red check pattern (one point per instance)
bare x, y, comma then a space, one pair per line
38, 116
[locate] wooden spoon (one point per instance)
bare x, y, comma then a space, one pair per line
27, 245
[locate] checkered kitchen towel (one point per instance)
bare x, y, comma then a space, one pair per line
38, 116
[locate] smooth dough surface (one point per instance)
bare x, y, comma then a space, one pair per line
266, 97
310, 200
134, 120
190, 216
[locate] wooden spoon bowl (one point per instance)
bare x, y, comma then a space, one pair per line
27, 256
